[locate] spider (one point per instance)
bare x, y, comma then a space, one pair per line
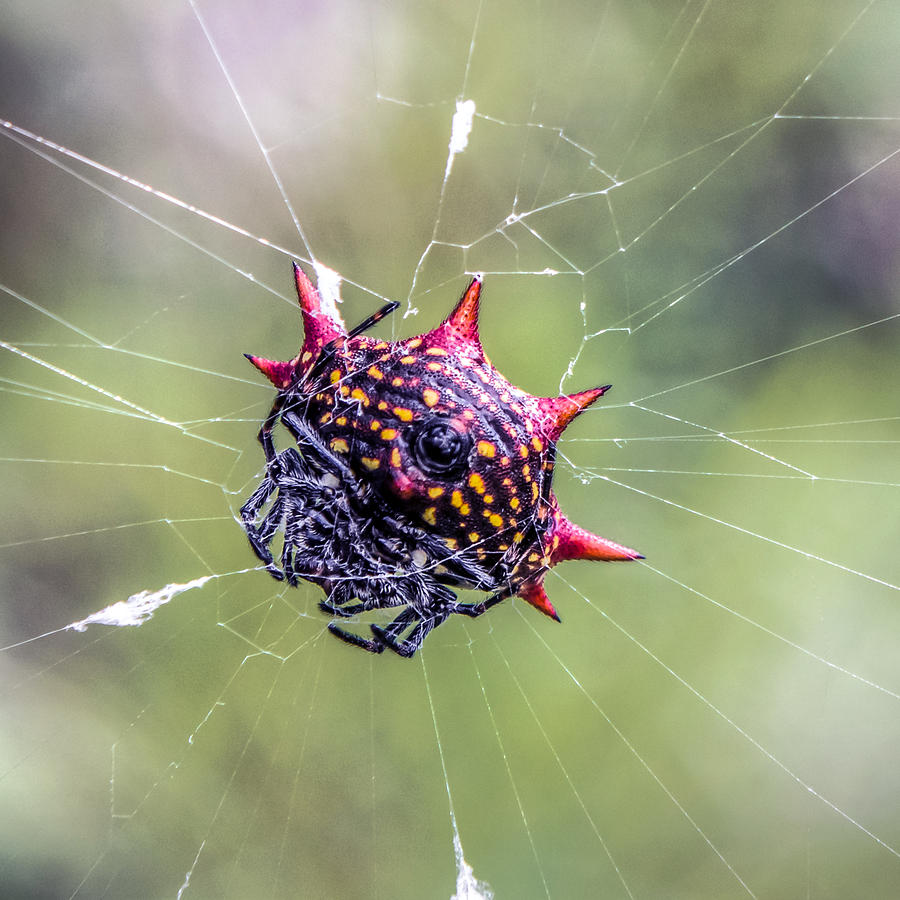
417, 468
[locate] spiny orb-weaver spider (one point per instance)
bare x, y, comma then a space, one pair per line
417, 468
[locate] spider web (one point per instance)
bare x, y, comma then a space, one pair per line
696, 202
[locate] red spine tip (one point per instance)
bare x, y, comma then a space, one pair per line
559, 411
281, 374
533, 592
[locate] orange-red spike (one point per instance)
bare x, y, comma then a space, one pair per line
281, 374
576, 542
306, 293
321, 322
461, 326
533, 592
558, 412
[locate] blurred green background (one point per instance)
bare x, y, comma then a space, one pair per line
718, 722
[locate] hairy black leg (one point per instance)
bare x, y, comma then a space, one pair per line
265, 433
473, 610
406, 648
355, 640
383, 636
345, 611
259, 546
250, 510
287, 562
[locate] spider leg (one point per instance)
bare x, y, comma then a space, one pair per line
249, 511
406, 648
259, 540
473, 610
278, 470
387, 635
265, 433
373, 646
383, 637
288, 554
345, 611
259, 545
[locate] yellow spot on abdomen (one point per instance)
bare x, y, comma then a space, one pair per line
537, 443
476, 482
514, 502
496, 520
430, 515
403, 414
359, 394
486, 448
339, 445
389, 434
335, 376
431, 397
395, 458
436, 351
435, 492
456, 498
375, 372
370, 462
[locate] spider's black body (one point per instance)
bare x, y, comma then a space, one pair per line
417, 468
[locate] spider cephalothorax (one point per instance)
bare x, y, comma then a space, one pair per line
418, 467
